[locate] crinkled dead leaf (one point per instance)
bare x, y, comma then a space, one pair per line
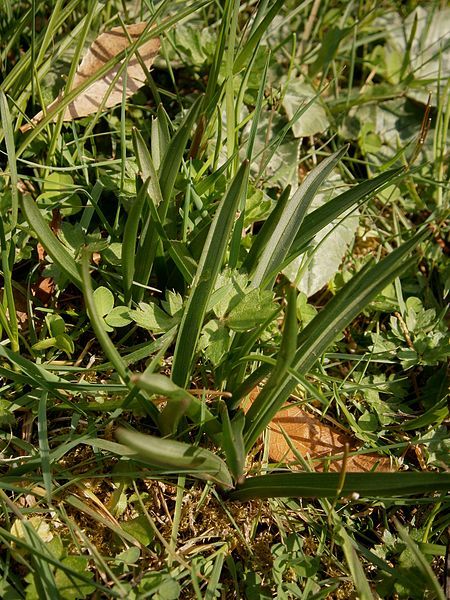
311, 438
314, 440
103, 49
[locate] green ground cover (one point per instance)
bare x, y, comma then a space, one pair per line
266, 216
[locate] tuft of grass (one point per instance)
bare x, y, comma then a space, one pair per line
266, 217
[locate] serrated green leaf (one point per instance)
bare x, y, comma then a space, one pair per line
252, 310
151, 317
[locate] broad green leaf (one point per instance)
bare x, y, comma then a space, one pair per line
421, 563
274, 144
254, 308
55, 324
118, 317
151, 317
104, 300
214, 341
65, 342
314, 120
72, 588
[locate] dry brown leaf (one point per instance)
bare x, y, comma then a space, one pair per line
314, 439
103, 49
44, 290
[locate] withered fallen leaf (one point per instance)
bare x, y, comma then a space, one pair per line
103, 49
312, 438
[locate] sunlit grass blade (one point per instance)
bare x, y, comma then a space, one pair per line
326, 485
44, 448
421, 562
108, 347
103, 338
171, 161
170, 454
9, 322
233, 441
256, 36
354, 564
256, 418
49, 241
285, 230
327, 213
324, 328
130, 236
151, 233
11, 152
208, 268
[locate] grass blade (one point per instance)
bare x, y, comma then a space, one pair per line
47, 238
205, 278
322, 216
421, 563
256, 418
130, 235
171, 161
326, 485
354, 564
108, 347
256, 36
170, 454
233, 441
285, 230
324, 328
11, 152
44, 446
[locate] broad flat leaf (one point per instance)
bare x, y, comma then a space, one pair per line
314, 120
254, 308
70, 587
104, 300
151, 317
334, 239
103, 49
313, 439
118, 317
214, 341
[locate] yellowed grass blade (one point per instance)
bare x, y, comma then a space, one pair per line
103, 49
